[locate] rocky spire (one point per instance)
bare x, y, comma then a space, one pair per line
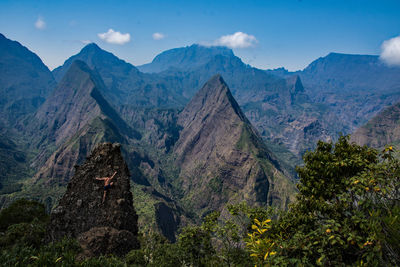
222, 157
81, 213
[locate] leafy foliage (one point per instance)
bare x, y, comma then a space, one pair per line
22, 211
346, 213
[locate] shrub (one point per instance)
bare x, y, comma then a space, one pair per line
22, 211
346, 213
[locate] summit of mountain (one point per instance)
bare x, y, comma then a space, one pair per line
76, 101
221, 156
185, 58
124, 83
72, 121
269, 101
104, 62
347, 73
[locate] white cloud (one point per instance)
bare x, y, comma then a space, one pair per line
237, 40
114, 37
85, 42
40, 23
158, 36
390, 51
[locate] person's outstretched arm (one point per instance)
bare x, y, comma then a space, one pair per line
113, 175
101, 178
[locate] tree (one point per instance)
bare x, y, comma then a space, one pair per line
346, 212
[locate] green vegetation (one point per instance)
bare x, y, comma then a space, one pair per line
22, 211
144, 207
347, 212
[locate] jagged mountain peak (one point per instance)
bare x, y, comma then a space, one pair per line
96, 58
91, 47
295, 82
74, 119
221, 155
71, 104
214, 96
78, 71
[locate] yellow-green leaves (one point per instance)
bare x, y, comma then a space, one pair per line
258, 244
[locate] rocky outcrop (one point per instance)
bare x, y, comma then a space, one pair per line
82, 214
106, 240
381, 130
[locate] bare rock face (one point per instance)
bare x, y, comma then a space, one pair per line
222, 157
106, 240
81, 208
381, 130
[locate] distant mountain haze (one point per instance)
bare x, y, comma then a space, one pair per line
25, 81
222, 157
185, 58
279, 108
383, 129
355, 87
124, 83
198, 128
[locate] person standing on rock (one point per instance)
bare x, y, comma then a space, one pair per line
107, 184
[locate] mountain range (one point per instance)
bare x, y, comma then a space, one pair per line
355, 87
198, 128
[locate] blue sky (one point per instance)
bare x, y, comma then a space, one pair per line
288, 33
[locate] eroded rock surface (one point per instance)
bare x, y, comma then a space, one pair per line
106, 240
81, 209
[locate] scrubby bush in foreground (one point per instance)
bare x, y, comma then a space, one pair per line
347, 211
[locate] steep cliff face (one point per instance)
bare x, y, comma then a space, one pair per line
70, 106
381, 130
124, 83
279, 108
25, 81
81, 212
221, 156
74, 119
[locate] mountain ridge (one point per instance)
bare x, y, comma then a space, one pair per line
184, 58
220, 154
25, 81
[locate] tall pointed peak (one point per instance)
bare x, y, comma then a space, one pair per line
75, 75
91, 49
295, 83
214, 87
213, 97
216, 81
218, 145
91, 46
96, 58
